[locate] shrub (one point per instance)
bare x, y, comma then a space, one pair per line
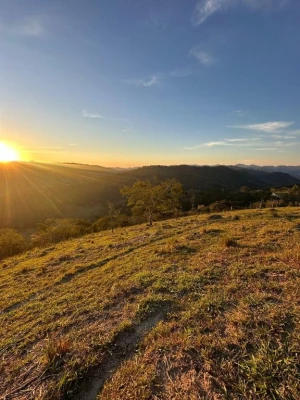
215, 217
11, 242
101, 224
229, 242
202, 209
235, 218
274, 213
57, 230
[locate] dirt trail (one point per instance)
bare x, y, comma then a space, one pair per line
123, 348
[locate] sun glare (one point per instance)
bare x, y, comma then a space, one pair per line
8, 153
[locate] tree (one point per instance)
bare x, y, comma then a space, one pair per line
154, 196
173, 192
245, 189
113, 215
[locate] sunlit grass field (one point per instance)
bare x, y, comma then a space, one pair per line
193, 308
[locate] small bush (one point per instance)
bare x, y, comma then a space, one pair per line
214, 217
101, 224
236, 218
57, 230
230, 242
274, 213
11, 243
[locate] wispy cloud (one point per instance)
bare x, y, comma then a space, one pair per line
268, 127
226, 142
203, 57
262, 141
206, 8
87, 114
127, 130
239, 113
236, 140
73, 144
157, 20
32, 26
154, 80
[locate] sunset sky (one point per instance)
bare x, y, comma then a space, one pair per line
131, 82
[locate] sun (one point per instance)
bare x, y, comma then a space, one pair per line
8, 153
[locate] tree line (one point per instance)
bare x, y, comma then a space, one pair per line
146, 201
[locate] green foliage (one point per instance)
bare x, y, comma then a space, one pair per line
153, 197
244, 189
11, 242
102, 224
57, 230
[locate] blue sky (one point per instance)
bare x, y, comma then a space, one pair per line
131, 82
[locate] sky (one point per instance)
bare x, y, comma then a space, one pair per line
130, 82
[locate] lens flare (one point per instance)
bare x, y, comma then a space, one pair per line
8, 153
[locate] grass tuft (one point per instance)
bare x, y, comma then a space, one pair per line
230, 242
55, 352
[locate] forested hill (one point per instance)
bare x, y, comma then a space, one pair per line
32, 192
293, 170
206, 177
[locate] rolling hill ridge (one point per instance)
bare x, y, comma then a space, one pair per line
32, 192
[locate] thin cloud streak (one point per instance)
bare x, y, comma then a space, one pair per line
152, 81
239, 113
201, 56
269, 127
32, 26
87, 114
254, 143
206, 8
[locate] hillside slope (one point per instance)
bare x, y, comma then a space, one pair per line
32, 192
194, 308
215, 177
289, 169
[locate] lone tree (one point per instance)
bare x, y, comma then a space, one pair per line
113, 215
154, 196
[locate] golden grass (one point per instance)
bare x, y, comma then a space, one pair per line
229, 315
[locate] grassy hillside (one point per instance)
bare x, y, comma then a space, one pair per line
32, 192
194, 308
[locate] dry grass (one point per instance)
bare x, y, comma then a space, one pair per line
231, 313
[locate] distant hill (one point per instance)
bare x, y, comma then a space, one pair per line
292, 170
206, 177
32, 192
